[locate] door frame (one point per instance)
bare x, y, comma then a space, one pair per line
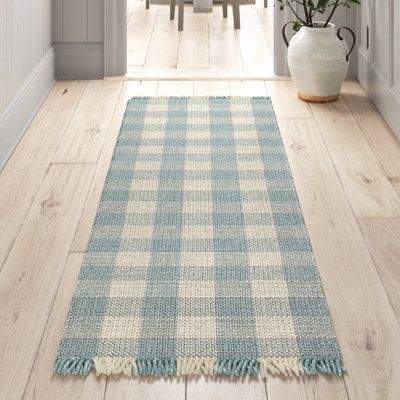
115, 38
382, 94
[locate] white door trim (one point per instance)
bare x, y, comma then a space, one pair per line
279, 50
115, 37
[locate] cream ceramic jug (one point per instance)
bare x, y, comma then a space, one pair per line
318, 59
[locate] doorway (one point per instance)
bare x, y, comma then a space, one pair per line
209, 47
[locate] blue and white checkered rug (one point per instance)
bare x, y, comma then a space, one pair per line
199, 260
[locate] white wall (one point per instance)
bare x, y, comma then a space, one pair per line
26, 66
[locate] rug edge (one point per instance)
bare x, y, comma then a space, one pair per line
182, 366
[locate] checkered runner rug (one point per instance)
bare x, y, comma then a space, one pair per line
199, 260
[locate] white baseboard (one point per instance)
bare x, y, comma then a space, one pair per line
23, 107
79, 60
385, 99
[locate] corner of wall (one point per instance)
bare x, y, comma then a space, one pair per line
20, 112
79, 60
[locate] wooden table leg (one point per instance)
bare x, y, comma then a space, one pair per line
265, 3
147, 4
172, 9
180, 14
225, 8
236, 14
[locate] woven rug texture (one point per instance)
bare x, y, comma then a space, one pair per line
199, 261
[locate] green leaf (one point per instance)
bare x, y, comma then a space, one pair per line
322, 4
297, 26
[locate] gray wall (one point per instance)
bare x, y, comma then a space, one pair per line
26, 66
78, 37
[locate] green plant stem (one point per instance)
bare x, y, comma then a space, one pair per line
332, 12
296, 15
306, 12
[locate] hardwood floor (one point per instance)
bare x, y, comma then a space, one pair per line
208, 47
346, 167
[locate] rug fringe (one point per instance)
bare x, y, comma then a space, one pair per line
329, 366
286, 366
195, 366
156, 367
73, 366
181, 366
236, 366
115, 365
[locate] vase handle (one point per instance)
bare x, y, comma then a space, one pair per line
284, 32
353, 35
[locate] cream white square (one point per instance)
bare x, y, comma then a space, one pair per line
194, 207
197, 120
260, 232
267, 288
132, 259
198, 166
147, 165
127, 289
196, 327
275, 327
147, 149
256, 207
197, 259
245, 134
194, 185
265, 259
188, 289
190, 232
195, 149
138, 232
256, 165
141, 207
247, 149
121, 328
196, 134
148, 185
252, 184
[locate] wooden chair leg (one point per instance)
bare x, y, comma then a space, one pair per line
225, 8
265, 3
180, 14
172, 9
236, 14
147, 4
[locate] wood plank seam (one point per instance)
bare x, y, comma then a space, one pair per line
44, 328
109, 124
98, 166
71, 162
376, 266
151, 35
24, 219
334, 167
376, 130
369, 143
35, 156
394, 209
44, 243
70, 121
334, 164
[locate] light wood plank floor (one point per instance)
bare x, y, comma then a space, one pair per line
208, 47
346, 166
